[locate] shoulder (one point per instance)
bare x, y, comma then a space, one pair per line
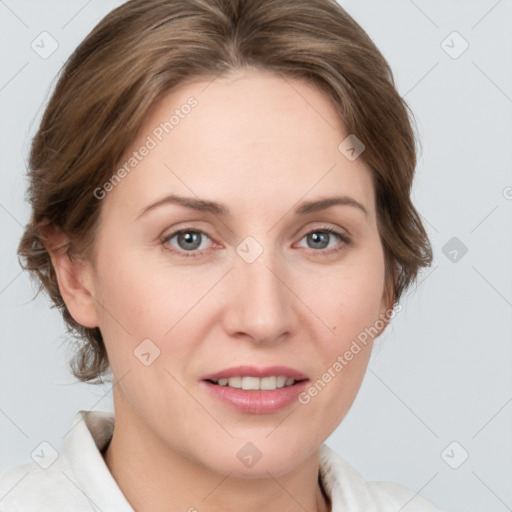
388, 494
69, 479
30, 487
349, 491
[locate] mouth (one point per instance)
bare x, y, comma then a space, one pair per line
256, 390
248, 383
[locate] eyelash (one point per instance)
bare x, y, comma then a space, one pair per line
195, 253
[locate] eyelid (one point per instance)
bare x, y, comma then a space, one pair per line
169, 232
343, 236
343, 233
165, 240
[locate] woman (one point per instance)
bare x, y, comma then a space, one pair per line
221, 210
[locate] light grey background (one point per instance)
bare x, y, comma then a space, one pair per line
442, 371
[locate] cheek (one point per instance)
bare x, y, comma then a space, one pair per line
350, 299
350, 304
156, 303
139, 299
141, 296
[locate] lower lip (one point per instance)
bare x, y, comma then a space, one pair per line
257, 401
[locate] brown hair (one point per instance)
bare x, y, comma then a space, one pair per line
142, 50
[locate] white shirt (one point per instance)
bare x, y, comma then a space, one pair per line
77, 479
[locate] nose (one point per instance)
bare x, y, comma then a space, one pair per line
260, 304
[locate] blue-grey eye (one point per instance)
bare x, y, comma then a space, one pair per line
188, 240
321, 239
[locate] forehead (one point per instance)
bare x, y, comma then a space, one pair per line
252, 136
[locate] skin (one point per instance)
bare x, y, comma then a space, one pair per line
260, 145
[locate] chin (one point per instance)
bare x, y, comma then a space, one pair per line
245, 459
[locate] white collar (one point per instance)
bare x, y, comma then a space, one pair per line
79, 478
89, 434
92, 430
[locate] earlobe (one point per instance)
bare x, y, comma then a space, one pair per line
74, 276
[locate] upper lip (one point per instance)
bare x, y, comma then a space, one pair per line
254, 371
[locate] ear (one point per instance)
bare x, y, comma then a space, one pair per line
74, 276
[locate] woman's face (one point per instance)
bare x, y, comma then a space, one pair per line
255, 279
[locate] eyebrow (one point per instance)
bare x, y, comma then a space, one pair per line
216, 208
323, 204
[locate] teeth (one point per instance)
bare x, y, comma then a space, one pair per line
249, 383
267, 383
235, 382
255, 383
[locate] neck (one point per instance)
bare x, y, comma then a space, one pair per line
155, 478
